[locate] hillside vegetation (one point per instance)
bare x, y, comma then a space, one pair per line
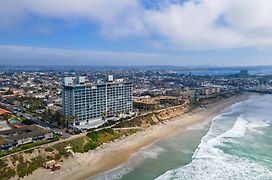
25, 163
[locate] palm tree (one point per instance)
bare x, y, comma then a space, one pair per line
62, 121
70, 119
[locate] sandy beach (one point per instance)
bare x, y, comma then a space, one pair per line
111, 155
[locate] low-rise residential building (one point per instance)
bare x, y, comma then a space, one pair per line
155, 102
207, 90
4, 111
184, 94
19, 136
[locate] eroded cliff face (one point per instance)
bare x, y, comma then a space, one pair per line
171, 112
25, 163
156, 117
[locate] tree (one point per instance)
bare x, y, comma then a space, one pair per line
56, 116
62, 121
60, 118
6, 116
70, 119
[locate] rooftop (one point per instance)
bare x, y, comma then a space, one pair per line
4, 111
155, 100
81, 81
2, 141
24, 132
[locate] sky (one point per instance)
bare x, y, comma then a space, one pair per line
136, 32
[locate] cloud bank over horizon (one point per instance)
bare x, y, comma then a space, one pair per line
52, 56
25, 55
173, 25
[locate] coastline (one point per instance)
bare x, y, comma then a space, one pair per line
111, 155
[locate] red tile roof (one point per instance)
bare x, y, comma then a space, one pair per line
3, 111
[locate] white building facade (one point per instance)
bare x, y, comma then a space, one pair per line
88, 102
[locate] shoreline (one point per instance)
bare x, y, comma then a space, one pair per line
111, 155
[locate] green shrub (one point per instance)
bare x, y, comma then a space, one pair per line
26, 146
108, 130
132, 131
26, 168
49, 149
90, 146
93, 136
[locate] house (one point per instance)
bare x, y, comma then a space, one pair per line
184, 94
205, 91
155, 102
2, 141
3, 112
24, 135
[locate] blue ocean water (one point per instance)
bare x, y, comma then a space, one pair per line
237, 144
217, 72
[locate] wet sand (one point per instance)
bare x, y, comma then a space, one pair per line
111, 155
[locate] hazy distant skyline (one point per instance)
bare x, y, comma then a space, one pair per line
136, 32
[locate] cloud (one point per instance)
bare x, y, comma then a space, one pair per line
209, 24
24, 55
191, 24
118, 18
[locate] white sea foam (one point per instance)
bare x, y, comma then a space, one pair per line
237, 124
199, 126
149, 152
223, 167
113, 174
211, 162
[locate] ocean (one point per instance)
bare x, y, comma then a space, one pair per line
220, 72
237, 144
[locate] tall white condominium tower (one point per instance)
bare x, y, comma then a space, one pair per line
92, 101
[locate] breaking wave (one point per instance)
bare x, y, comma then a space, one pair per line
149, 152
223, 154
